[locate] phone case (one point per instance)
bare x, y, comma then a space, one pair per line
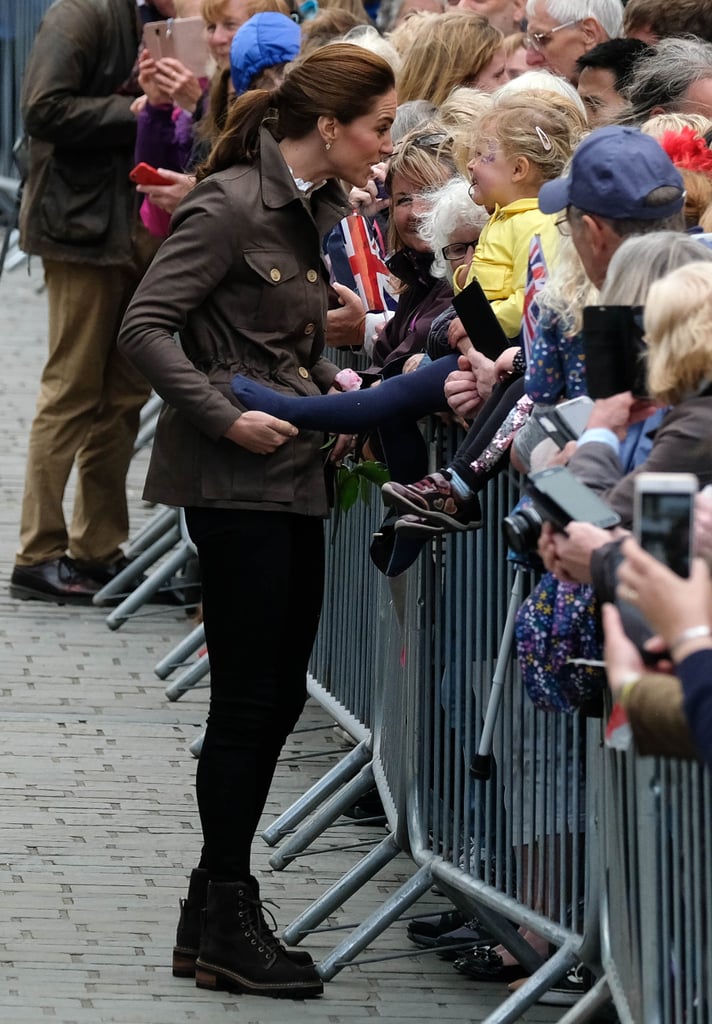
181, 38
478, 319
615, 351
144, 174
561, 497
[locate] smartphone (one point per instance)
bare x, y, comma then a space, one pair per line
185, 39
613, 339
144, 174
663, 517
560, 497
478, 319
566, 421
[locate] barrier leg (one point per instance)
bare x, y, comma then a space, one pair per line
178, 654
589, 1004
341, 891
334, 779
331, 810
156, 526
121, 582
552, 971
149, 587
188, 679
377, 923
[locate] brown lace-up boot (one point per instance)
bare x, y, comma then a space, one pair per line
238, 951
185, 951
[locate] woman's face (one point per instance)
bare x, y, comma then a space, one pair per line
407, 207
232, 14
491, 76
363, 142
465, 239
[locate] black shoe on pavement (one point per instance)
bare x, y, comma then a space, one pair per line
58, 581
453, 944
425, 931
367, 809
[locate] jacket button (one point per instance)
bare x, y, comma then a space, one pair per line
312, 276
303, 372
275, 274
309, 329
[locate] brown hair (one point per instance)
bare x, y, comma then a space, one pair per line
327, 26
452, 49
663, 18
339, 80
424, 157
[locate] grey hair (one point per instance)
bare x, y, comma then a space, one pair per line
661, 78
608, 13
540, 80
371, 39
642, 259
412, 115
449, 207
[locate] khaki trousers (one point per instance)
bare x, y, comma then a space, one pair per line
87, 414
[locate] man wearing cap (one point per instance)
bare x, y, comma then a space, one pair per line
621, 183
561, 31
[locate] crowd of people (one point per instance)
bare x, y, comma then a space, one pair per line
358, 177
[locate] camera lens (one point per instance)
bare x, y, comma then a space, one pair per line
522, 530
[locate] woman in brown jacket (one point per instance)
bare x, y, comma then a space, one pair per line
241, 280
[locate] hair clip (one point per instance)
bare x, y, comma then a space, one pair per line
543, 138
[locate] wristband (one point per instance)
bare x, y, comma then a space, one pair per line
693, 633
625, 690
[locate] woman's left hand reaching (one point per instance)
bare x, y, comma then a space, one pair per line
260, 433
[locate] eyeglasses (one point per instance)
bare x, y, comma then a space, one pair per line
563, 224
457, 250
538, 40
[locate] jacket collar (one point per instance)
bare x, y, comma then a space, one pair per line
327, 204
518, 206
411, 267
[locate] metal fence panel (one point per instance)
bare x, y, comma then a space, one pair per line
18, 24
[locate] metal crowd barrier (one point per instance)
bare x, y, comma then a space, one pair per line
19, 20
604, 855
656, 912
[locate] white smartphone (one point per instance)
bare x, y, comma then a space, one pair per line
566, 421
664, 515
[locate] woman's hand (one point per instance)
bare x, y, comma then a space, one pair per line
619, 412
623, 660
168, 196
147, 72
461, 391
345, 326
503, 365
483, 369
568, 555
366, 200
670, 603
179, 83
344, 444
260, 433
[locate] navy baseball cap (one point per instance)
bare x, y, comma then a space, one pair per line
612, 172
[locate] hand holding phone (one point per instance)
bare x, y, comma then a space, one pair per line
663, 517
144, 174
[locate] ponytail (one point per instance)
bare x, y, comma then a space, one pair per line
239, 140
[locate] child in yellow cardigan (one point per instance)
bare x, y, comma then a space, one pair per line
524, 141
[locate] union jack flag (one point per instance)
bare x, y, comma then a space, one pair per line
537, 274
370, 272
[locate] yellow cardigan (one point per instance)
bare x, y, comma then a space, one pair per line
502, 254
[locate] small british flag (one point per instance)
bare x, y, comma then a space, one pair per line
370, 272
537, 274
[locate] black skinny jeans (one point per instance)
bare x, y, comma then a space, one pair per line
262, 577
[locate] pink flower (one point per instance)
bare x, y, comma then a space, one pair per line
348, 380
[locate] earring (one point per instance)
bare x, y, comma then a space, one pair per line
327, 146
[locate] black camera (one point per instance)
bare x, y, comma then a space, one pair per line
522, 530
558, 497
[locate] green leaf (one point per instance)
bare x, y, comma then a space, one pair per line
348, 491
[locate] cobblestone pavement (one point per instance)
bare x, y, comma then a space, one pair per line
98, 826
